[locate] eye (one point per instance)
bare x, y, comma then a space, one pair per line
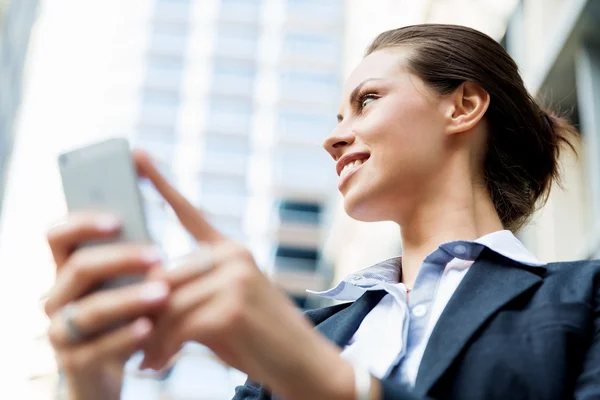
367, 99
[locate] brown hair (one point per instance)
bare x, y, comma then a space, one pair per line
524, 140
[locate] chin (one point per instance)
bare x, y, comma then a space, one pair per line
361, 209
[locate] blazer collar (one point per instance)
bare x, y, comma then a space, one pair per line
491, 282
341, 326
354, 285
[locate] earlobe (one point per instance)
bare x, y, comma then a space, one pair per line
469, 104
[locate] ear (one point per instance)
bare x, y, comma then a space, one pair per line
467, 106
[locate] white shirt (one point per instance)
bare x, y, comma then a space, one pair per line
396, 331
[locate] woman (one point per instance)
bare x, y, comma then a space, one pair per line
437, 133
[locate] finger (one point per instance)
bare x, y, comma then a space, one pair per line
89, 267
106, 309
189, 216
164, 342
119, 344
193, 295
184, 303
199, 262
156, 273
189, 267
80, 227
207, 323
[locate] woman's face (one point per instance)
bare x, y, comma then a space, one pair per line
390, 143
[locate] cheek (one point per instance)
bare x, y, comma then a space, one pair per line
404, 137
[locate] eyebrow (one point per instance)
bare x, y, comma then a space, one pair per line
355, 92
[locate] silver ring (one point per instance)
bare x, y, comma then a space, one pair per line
68, 313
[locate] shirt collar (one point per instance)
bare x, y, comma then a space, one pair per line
388, 272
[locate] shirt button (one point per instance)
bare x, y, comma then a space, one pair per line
460, 249
419, 311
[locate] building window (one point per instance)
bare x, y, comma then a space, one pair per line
229, 114
226, 153
310, 86
223, 185
243, 11
330, 11
159, 107
231, 227
164, 71
155, 133
307, 168
161, 97
301, 254
165, 64
237, 40
249, 3
227, 145
312, 45
169, 37
289, 258
177, 11
174, 29
302, 212
304, 126
219, 204
233, 77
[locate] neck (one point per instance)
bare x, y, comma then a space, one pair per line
453, 212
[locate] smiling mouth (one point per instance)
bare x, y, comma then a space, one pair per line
351, 166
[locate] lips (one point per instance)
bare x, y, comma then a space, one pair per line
351, 166
349, 162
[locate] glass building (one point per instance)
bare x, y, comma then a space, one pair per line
232, 99
235, 100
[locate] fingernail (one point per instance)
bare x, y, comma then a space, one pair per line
154, 291
142, 327
152, 256
108, 223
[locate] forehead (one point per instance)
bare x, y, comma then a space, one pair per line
382, 64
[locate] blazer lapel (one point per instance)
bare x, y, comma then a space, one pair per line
491, 282
340, 327
342, 324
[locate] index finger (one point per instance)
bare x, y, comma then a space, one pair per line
190, 217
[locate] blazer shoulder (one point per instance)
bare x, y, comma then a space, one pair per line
577, 266
581, 277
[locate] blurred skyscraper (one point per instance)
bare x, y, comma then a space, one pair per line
232, 97
16, 21
236, 98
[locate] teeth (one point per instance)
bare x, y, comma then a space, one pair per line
350, 166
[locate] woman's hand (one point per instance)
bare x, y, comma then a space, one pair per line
221, 299
90, 355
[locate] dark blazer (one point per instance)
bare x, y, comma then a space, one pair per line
510, 331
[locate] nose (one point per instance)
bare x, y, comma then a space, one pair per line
335, 143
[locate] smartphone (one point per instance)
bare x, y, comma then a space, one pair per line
103, 177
